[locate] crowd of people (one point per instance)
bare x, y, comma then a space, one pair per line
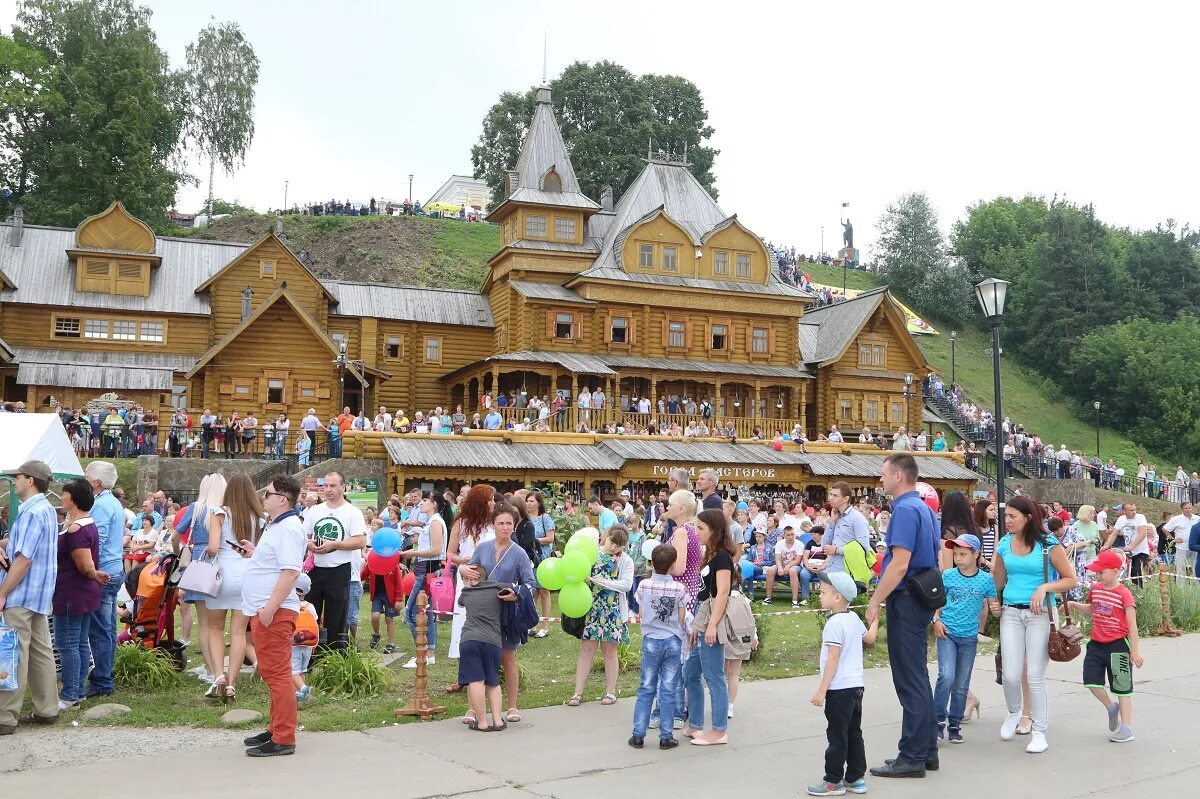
686, 560
380, 207
1041, 459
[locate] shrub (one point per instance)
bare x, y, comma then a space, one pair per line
762, 626
141, 669
349, 673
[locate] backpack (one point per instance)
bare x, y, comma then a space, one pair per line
307, 630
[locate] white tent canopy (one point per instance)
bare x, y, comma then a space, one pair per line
37, 437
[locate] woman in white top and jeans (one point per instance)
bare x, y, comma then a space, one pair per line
428, 553
1020, 571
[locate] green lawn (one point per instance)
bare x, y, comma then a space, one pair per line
1029, 398
790, 649
832, 276
126, 476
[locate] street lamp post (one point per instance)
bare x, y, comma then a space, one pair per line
991, 294
410, 197
1096, 405
908, 381
953, 341
341, 362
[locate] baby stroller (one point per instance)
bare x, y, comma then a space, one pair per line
150, 620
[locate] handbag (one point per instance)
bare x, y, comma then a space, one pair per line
202, 576
10, 655
1064, 642
441, 591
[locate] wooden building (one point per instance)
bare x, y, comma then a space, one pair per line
658, 294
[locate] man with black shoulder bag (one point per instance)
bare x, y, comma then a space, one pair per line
911, 585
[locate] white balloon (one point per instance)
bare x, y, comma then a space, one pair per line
648, 547
589, 532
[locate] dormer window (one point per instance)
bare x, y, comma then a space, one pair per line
552, 181
670, 259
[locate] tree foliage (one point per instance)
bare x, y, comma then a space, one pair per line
609, 117
222, 73
25, 96
912, 260
112, 117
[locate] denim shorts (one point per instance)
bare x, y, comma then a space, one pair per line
352, 604
300, 657
380, 604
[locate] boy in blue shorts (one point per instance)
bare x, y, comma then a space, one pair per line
956, 627
479, 649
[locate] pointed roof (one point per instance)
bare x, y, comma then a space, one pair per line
250, 248
542, 152
669, 189
826, 332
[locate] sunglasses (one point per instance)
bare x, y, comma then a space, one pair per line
269, 493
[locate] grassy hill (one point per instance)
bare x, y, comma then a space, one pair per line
379, 249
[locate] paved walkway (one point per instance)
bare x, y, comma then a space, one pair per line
581, 752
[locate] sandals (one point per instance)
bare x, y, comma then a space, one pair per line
230, 694
474, 725
575, 701
513, 716
469, 718
454, 688
541, 633
609, 699
1024, 728
216, 690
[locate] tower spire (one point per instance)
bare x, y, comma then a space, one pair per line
544, 38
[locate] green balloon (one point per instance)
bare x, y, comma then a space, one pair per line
583, 545
575, 567
549, 574
575, 600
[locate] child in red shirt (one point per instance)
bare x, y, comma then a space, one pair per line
1112, 652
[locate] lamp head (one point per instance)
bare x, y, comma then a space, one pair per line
992, 294
1096, 404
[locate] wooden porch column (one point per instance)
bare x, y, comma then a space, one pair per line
616, 399
801, 391
716, 407
495, 383
757, 390
653, 395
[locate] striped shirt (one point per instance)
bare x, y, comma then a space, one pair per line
35, 535
1109, 622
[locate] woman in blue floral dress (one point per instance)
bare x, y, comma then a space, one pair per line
605, 626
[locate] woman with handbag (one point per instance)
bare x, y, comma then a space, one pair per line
211, 495
425, 557
1025, 562
706, 660
506, 563
472, 526
238, 517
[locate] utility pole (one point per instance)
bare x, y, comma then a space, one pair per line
285, 190
410, 194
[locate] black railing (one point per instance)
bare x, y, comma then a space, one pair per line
964, 425
123, 441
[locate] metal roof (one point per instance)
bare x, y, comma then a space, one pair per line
589, 364
547, 291
937, 468
5, 350
774, 288
708, 367
676, 450
43, 274
410, 303
554, 246
837, 325
104, 370
570, 199
461, 452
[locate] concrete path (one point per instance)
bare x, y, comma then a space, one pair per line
776, 750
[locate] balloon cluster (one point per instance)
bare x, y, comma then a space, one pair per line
385, 551
568, 574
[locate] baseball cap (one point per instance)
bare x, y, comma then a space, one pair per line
1106, 560
34, 469
842, 583
624, 492
303, 583
965, 540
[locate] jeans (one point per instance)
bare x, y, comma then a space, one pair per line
1023, 639
410, 608
102, 633
1183, 559
707, 661
846, 754
908, 654
71, 641
660, 678
330, 595
956, 658
631, 597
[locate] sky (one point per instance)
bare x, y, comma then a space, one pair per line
814, 104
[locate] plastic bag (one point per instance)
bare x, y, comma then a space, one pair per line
10, 651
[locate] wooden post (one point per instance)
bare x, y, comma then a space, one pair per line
1165, 627
420, 705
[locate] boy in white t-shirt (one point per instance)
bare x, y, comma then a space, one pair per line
788, 554
841, 689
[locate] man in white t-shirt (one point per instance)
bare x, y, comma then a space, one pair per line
1179, 528
1132, 528
383, 421
788, 553
335, 529
270, 602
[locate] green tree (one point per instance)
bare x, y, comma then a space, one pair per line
1075, 283
25, 95
115, 109
1163, 268
609, 117
912, 261
995, 238
222, 75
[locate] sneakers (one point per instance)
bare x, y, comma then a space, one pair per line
1122, 735
823, 788
374, 640
1114, 717
941, 732
667, 743
729, 712
1038, 743
1008, 729
654, 723
796, 604
390, 649
257, 740
271, 749
954, 736
678, 724
412, 663
636, 741
766, 600
67, 705
858, 786
304, 694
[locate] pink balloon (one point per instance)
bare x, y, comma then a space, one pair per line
929, 496
378, 564
778, 446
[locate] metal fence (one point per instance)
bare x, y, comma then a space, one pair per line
124, 441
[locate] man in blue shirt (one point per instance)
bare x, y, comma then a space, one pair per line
109, 516
607, 517
913, 539
28, 570
493, 420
